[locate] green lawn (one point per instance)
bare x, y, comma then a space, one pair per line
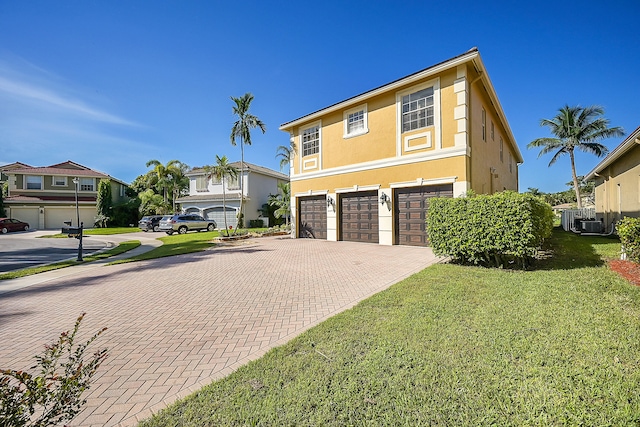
98, 232
121, 248
177, 244
453, 346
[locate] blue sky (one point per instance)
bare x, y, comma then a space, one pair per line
113, 84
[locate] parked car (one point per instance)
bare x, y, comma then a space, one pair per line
151, 222
12, 224
182, 223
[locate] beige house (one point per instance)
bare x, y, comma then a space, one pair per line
45, 197
367, 166
617, 182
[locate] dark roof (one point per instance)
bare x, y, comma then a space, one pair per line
67, 168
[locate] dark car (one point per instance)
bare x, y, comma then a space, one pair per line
12, 224
185, 222
151, 222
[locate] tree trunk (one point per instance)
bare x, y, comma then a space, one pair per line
576, 187
240, 214
224, 208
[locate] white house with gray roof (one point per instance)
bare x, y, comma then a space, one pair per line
205, 194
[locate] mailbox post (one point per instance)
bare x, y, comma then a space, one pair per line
77, 233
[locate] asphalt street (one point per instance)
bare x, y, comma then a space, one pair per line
24, 249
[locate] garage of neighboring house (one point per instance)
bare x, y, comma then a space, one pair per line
312, 217
411, 205
359, 217
28, 214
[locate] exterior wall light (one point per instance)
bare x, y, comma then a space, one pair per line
330, 201
384, 198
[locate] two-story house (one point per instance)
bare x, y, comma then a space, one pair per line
45, 197
617, 182
206, 196
367, 166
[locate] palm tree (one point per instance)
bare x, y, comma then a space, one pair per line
221, 170
282, 201
242, 130
576, 127
177, 181
161, 176
286, 154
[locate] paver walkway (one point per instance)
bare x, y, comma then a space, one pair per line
176, 324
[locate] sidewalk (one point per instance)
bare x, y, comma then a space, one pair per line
146, 244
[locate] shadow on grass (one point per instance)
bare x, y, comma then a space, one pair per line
566, 250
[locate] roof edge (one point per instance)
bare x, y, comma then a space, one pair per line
614, 155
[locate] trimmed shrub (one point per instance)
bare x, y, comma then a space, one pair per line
628, 230
493, 230
256, 223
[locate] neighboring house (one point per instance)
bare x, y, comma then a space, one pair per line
617, 182
45, 197
366, 167
205, 195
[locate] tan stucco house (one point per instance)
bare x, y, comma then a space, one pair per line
367, 166
45, 197
617, 181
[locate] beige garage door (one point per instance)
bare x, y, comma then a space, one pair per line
28, 214
54, 217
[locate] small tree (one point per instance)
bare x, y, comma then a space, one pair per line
104, 203
282, 202
53, 396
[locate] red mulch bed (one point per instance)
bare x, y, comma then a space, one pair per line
627, 269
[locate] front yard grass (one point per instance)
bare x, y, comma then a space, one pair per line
453, 345
177, 244
121, 248
97, 232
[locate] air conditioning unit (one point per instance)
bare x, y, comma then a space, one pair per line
591, 226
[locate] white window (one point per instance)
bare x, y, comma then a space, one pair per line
510, 163
355, 121
493, 133
34, 182
417, 110
501, 150
59, 181
310, 141
87, 184
121, 190
201, 183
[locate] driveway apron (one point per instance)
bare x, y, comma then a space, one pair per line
176, 324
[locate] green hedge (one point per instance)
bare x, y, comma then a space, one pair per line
629, 231
493, 230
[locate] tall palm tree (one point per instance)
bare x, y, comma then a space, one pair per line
286, 154
241, 131
576, 128
221, 170
177, 181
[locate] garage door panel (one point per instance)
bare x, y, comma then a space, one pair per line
312, 217
359, 217
411, 206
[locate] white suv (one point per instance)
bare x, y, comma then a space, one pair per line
182, 223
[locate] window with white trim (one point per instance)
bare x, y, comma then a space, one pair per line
233, 183
202, 183
501, 150
417, 110
33, 182
355, 121
493, 131
484, 125
87, 184
59, 181
311, 140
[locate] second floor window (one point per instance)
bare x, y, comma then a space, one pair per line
59, 181
311, 140
201, 183
34, 182
86, 184
417, 110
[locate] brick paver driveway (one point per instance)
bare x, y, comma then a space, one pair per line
175, 324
